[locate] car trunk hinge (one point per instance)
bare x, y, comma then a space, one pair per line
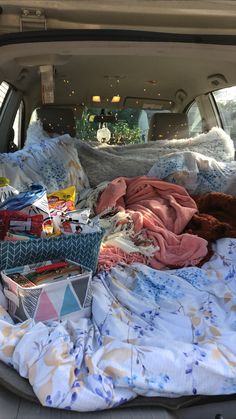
32, 19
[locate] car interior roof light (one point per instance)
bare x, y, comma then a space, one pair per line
96, 99
115, 99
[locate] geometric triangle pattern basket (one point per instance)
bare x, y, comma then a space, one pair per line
80, 248
48, 301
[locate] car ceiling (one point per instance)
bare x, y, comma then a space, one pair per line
182, 16
127, 69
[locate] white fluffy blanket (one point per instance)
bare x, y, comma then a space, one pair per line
215, 143
153, 333
105, 163
108, 162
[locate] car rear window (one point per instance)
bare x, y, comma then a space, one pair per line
131, 127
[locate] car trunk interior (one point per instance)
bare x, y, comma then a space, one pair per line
160, 75
170, 75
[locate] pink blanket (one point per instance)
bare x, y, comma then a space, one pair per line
160, 212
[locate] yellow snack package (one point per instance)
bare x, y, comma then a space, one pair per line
62, 200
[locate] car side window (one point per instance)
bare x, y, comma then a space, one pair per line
4, 88
194, 119
14, 141
225, 100
17, 126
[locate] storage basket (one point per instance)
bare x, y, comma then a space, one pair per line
55, 300
81, 248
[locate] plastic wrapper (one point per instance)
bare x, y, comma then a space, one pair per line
6, 191
18, 222
32, 202
76, 222
62, 200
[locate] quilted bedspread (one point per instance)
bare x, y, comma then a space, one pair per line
152, 332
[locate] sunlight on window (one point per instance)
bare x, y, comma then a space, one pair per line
226, 95
226, 103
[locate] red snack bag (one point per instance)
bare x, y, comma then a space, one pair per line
18, 222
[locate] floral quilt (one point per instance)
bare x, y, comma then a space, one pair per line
52, 163
195, 172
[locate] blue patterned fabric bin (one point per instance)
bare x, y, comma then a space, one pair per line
82, 248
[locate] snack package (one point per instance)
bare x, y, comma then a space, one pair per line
76, 222
32, 202
62, 200
6, 191
17, 222
78, 216
73, 221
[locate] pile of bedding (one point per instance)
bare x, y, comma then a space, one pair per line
196, 172
152, 332
155, 214
105, 163
160, 325
140, 216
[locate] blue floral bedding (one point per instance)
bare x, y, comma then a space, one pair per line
196, 172
153, 333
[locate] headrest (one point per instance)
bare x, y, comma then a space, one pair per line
167, 126
57, 120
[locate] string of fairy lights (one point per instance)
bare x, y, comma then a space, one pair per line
115, 97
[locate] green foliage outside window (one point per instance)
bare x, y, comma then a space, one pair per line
124, 131
123, 134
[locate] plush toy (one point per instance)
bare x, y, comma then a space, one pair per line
103, 134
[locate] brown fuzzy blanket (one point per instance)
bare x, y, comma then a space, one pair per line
216, 218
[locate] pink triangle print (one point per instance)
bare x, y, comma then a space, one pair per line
45, 310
